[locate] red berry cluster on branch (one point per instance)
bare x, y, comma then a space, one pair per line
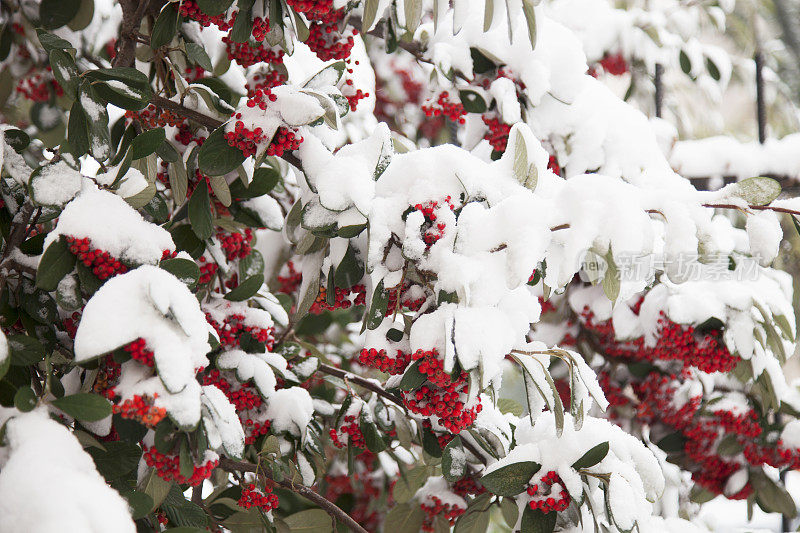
446, 403
444, 107
168, 467
190, 9
350, 428
432, 230
40, 87
614, 64
342, 299
236, 245
102, 264
675, 342
233, 326
139, 352
264, 498
380, 360
141, 409
497, 134
243, 396
154, 117
434, 507
248, 54
207, 270
549, 494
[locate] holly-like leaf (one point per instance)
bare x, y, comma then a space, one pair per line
57, 261
592, 457
183, 269
165, 27
216, 157
84, 406
246, 289
510, 480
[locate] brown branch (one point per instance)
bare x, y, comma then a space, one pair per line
754, 208
361, 382
132, 14
306, 492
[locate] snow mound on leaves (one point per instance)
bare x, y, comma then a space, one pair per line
48, 483
152, 304
113, 226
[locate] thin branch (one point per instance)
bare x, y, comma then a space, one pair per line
361, 382
306, 492
754, 208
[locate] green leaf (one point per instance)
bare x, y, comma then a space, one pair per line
25, 399
78, 130
348, 232
712, 69
453, 470
185, 460
510, 511
57, 261
17, 139
510, 480
97, 119
51, 42
246, 289
310, 521
183, 269
65, 71
214, 7
264, 180
147, 143
592, 457
118, 459
536, 521
412, 378
216, 157
404, 518
125, 97
186, 241
243, 26
413, 13
474, 521
200, 212
198, 55
84, 16
472, 101
139, 502
686, 64
25, 350
372, 437
507, 405
772, 496
530, 19
758, 190
165, 27
84, 406
56, 13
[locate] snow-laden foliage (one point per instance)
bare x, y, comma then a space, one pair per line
410, 266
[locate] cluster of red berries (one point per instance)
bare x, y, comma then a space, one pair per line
350, 428
432, 366
243, 397
107, 376
544, 492
467, 486
290, 282
247, 54
260, 28
675, 342
207, 270
312, 9
444, 107
40, 87
363, 488
447, 403
236, 245
433, 507
614, 64
71, 324
353, 99
325, 40
267, 79
254, 429
397, 294
432, 230
553, 166
255, 497
139, 352
233, 326
154, 117
380, 360
141, 409
103, 264
497, 134
168, 467
190, 9
342, 299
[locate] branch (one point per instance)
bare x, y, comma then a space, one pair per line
132, 14
329, 507
358, 380
755, 208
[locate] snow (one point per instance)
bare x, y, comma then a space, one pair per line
113, 226
249, 366
222, 425
132, 183
48, 483
56, 184
268, 210
152, 304
765, 235
290, 410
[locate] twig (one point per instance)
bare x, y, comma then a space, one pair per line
306, 492
361, 382
754, 208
